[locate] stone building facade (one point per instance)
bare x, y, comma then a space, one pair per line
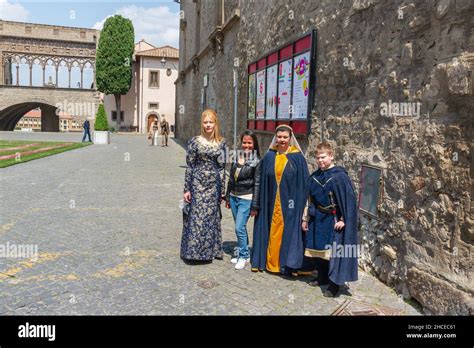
370, 53
46, 66
40, 47
152, 92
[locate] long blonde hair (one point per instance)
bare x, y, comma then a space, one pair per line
216, 136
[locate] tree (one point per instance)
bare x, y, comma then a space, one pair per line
114, 59
101, 123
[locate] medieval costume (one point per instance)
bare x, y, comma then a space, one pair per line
334, 252
204, 178
277, 235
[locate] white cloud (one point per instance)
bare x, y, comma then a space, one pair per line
157, 25
13, 11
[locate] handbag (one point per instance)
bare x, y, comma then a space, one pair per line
186, 207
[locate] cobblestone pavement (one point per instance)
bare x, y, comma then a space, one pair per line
107, 226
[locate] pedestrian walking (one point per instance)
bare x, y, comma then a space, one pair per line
86, 125
165, 131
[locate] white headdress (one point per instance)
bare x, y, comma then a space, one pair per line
293, 141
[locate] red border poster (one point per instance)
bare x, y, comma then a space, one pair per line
301, 77
251, 100
271, 98
284, 88
261, 94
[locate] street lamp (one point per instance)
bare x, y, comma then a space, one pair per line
163, 64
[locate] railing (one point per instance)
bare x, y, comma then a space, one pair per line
50, 88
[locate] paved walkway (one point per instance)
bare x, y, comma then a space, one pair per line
107, 225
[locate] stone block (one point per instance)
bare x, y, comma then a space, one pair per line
438, 296
458, 72
389, 252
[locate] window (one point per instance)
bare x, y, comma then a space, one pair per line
154, 79
114, 116
153, 105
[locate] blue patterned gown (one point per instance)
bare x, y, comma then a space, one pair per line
204, 178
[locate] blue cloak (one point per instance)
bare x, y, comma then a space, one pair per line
343, 264
293, 195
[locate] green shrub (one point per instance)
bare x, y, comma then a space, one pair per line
101, 123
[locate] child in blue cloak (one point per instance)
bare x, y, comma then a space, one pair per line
330, 224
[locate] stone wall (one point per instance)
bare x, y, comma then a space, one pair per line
372, 52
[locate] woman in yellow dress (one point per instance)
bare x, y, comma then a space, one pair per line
278, 238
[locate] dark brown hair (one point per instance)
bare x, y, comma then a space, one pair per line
254, 139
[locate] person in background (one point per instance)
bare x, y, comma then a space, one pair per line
165, 131
153, 133
86, 125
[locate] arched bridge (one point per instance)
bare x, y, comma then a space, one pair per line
16, 101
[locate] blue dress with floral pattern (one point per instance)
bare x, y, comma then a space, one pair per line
204, 178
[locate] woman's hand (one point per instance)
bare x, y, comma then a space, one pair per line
339, 225
227, 205
304, 226
253, 213
187, 197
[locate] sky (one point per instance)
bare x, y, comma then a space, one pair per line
155, 21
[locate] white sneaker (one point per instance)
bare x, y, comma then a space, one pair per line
241, 263
234, 260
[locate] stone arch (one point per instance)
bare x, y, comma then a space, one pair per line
10, 116
37, 71
88, 74
49, 71
150, 117
64, 74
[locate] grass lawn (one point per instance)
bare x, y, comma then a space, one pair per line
21, 149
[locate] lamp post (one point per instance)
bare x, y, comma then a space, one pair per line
163, 64
235, 85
